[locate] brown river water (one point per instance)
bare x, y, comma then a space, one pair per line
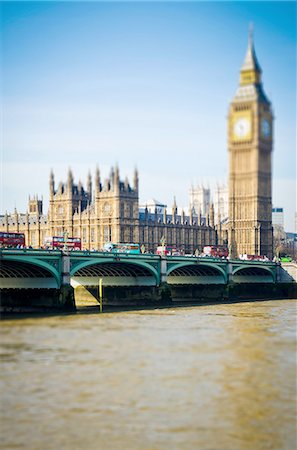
213, 377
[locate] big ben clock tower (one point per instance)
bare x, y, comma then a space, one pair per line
250, 142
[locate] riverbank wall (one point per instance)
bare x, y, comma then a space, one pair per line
68, 299
170, 294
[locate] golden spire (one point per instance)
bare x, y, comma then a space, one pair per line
250, 72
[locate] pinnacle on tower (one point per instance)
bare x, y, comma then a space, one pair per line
70, 180
97, 179
116, 179
51, 182
117, 174
89, 186
250, 72
211, 215
135, 179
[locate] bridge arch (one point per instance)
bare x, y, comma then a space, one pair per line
114, 273
196, 273
23, 274
253, 274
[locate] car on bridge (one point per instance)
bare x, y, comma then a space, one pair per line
133, 249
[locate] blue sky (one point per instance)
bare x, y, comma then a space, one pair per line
139, 84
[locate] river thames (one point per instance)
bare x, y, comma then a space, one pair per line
213, 377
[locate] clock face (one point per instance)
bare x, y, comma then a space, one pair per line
242, 127
265, 127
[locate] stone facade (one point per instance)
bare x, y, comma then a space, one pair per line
250, 147
108, 213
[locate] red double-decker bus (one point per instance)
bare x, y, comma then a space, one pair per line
71, 242
216, 251
58, 242
12, 240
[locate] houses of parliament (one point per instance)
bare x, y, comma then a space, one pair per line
108, 211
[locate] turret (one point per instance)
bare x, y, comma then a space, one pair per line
89, 186
183, 217
191, 215
70, 181
52, 183
174, 210
116, 179
35, 206
97, 181
117, 174
135, 180
211, 215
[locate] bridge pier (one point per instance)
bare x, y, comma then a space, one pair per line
66, 295
230, 272
163, 269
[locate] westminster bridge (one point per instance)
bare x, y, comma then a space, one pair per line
142, 276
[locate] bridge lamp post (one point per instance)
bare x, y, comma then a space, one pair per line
163, 243
65, 235
100, 294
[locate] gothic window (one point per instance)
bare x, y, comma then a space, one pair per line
106, 233
33, 238
131, 235
122, 209
178, 235
122, 234
152, 235
60, 210
84, 234
131, 210
92, 234
142, 234
106, 208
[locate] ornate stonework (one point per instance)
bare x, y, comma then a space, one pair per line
108, 213
250, 141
